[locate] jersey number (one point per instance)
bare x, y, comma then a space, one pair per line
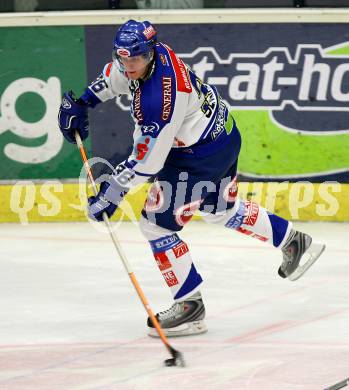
99, 84
209, 104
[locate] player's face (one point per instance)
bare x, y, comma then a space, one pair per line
136, 67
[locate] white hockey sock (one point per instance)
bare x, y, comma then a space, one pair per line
173, 259
251, 219
175, 263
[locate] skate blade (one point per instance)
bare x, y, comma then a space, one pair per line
188, 329
311, 255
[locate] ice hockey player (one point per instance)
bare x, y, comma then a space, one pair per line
188, 143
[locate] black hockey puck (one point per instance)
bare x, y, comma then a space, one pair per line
176, 361
170, 362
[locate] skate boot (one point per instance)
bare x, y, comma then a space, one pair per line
182, 318
299, 246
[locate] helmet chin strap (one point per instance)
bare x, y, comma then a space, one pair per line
150, 68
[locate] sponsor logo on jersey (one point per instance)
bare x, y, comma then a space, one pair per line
170, 278
180, 249
166, 97
137, 112
152, 130
182, 77
142, 149
162, 261
184, 213
295, 87
221, 119
149, 32
123, 52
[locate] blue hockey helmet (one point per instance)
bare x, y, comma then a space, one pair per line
133, 39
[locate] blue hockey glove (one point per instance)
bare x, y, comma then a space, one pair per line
72, 116
98, 204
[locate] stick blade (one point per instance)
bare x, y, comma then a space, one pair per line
177, 359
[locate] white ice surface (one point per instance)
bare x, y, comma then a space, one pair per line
70, 319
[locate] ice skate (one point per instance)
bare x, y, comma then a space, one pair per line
299, 246
182, 318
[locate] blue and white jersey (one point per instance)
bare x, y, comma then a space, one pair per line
171, 108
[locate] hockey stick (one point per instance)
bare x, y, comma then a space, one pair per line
177, 357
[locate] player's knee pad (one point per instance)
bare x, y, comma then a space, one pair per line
151, 231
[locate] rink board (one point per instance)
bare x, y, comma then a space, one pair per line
265, 64
26, 201
286, 137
